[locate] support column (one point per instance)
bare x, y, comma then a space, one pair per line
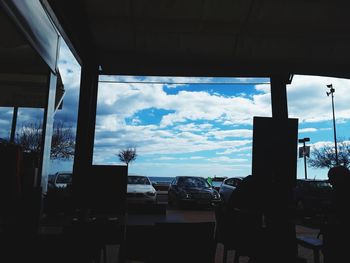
282, 231
279, 96
14, 124
85, 129
47, 130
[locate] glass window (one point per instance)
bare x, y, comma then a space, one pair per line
194, 182
216, 183
138, 180
174, 182
151, 112
236, 182
64, 178
229, 182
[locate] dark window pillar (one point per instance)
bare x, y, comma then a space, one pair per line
279, 96
85, 127
280, 228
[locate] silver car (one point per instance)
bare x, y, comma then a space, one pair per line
228, 186
60, 180
140, 190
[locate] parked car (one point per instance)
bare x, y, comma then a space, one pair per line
312, 196
192, 190
228, 186
58, 198
216, 182
60, 180
140, 190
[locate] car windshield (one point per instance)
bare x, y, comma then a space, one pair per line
138, 180
64, 178
216, 183
193, 182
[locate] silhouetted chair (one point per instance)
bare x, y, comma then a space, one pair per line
336, 242
184, 242
314, 243
101, 194
139, 242
239, 231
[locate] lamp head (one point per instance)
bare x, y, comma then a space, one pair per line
329, 86
304, 140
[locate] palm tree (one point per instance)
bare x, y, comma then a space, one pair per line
127, 155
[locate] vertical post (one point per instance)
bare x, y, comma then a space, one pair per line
335, 133
304, 151
279, 227
47, 131
85, 130
14, 124
279, 97
331, 92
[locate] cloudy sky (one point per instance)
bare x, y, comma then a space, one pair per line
192, 129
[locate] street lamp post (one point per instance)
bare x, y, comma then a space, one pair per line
304, 152
331, 91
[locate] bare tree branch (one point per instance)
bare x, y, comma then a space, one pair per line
63, 140
324, 157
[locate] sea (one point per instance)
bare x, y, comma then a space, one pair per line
161, 179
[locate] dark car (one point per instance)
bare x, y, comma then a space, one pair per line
228, 186
60, 180
192, 190
216, 182
312, 196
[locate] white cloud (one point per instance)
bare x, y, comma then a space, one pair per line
321, 144
307, 99
236, 149
227, 159
192, 127
128, 99
238, 133
120, 101
153, 140
164, 158
307, 130
167, 158
196, 157
265, 88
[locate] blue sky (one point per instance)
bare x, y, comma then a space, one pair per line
187, 129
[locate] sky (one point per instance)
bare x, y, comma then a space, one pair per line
192, 129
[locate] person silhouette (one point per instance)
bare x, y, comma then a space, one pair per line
339, 178
245, 212
248, 194
337, 228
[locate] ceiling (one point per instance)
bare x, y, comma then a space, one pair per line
16, 54
208, 37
